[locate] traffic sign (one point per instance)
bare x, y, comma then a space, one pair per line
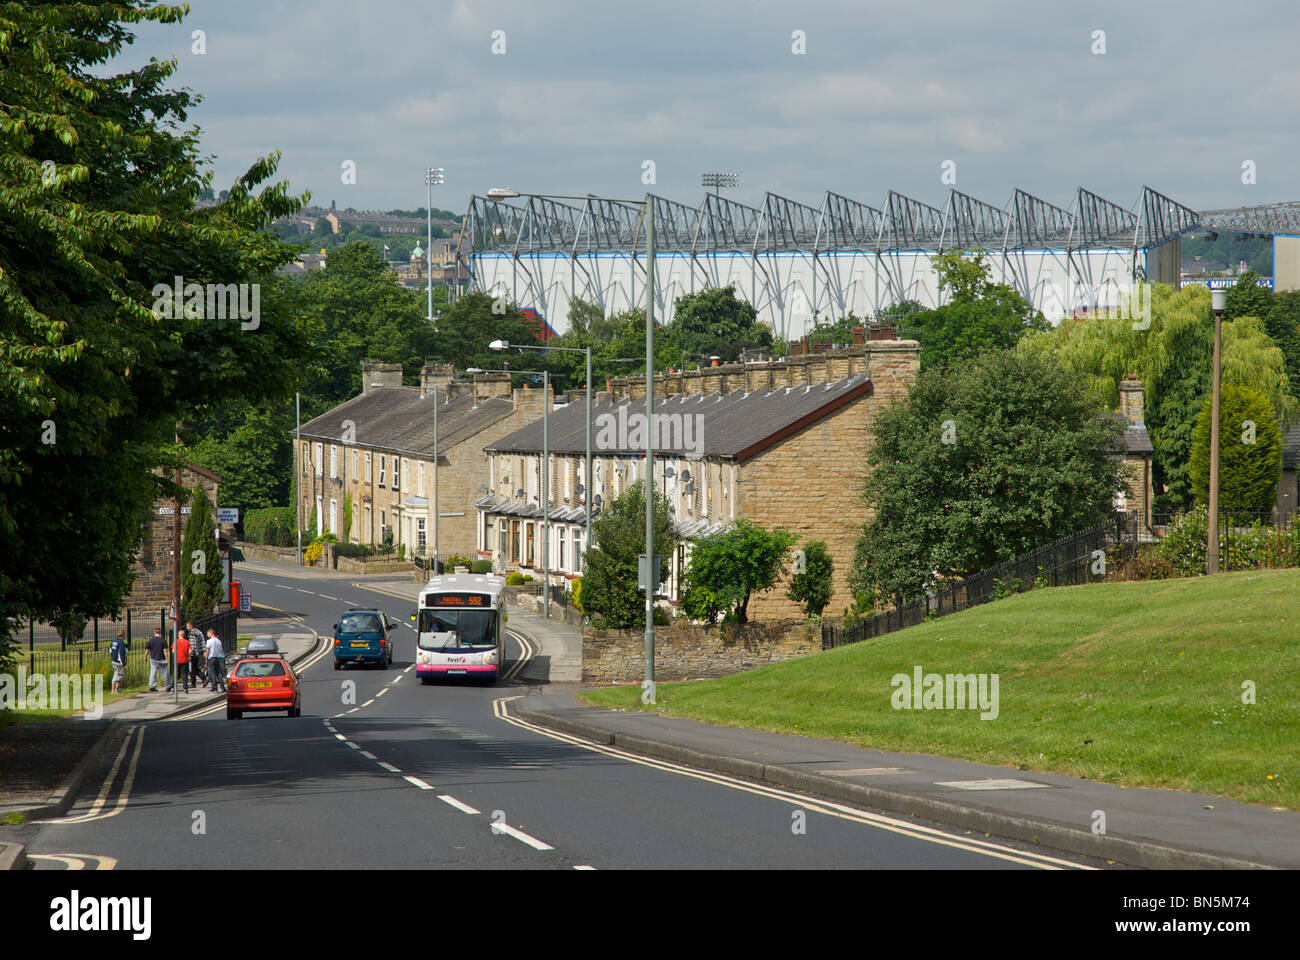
227, 514
245, 603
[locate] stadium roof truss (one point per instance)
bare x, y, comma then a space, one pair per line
785, 256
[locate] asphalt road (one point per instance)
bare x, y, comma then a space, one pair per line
429, 776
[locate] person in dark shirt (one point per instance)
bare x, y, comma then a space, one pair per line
157, 647
117, 656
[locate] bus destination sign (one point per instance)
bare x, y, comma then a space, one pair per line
458, 600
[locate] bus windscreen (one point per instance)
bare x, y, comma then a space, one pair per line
472, 628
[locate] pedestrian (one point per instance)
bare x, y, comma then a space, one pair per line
117, 657
157, 647
198, 660
183, 659
216, 661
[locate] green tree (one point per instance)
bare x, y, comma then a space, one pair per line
979, 315
1282, 323
609, 569
813, 587
1246, 298
1250, 451
200, 560
727, 568
358, 312
322, 229
250, 448
474, 321
99, 180
980, 463
715, 322
1173, 357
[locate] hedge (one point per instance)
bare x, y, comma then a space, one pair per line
270, 526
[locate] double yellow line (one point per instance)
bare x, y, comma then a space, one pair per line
96, 812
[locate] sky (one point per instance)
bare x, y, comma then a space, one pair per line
798, 98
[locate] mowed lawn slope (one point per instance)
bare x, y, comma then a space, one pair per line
1138, 684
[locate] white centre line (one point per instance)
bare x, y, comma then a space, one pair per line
328, 597
452, 801
368, 702
520, 836
418, 782
308, 592
339, 736
389, 767
354, 746
582, 866
380, 693
368, 755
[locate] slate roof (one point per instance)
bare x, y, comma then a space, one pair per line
735, 425
399, 419
1134, 439
1291, 447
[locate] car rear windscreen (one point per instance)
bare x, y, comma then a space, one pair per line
260, 668
360, 623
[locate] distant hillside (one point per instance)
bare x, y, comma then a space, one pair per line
1229, 249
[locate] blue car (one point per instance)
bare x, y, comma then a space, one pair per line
363, 636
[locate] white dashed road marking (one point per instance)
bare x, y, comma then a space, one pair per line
418, 782
389, 767
452, 801
520, 836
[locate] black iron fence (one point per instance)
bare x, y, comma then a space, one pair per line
1248, 539
97, 633
1074, 559
86, 650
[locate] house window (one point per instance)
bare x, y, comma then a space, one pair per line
560, 547
334, 516
420, 480
305, 458
577, 552
419, 535
320, 516
528, 541
334, 462
514, 542
354, 466
397, 473
319, 458
367, 466
369, 530
383, 468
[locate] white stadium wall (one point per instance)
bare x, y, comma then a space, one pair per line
789, 289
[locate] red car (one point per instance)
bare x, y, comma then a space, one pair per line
263, 683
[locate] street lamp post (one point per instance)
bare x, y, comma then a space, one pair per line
432, 176
1218, 300
436, 510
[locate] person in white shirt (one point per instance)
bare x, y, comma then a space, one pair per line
216, 661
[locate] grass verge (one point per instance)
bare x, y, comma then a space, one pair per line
1136, 684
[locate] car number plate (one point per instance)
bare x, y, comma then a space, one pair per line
259, 683
362, 644
455, 671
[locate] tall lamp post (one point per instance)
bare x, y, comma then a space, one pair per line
647, 205
1218, 300
432, 177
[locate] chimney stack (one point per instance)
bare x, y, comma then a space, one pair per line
380, 375
436, 376
1130, 399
